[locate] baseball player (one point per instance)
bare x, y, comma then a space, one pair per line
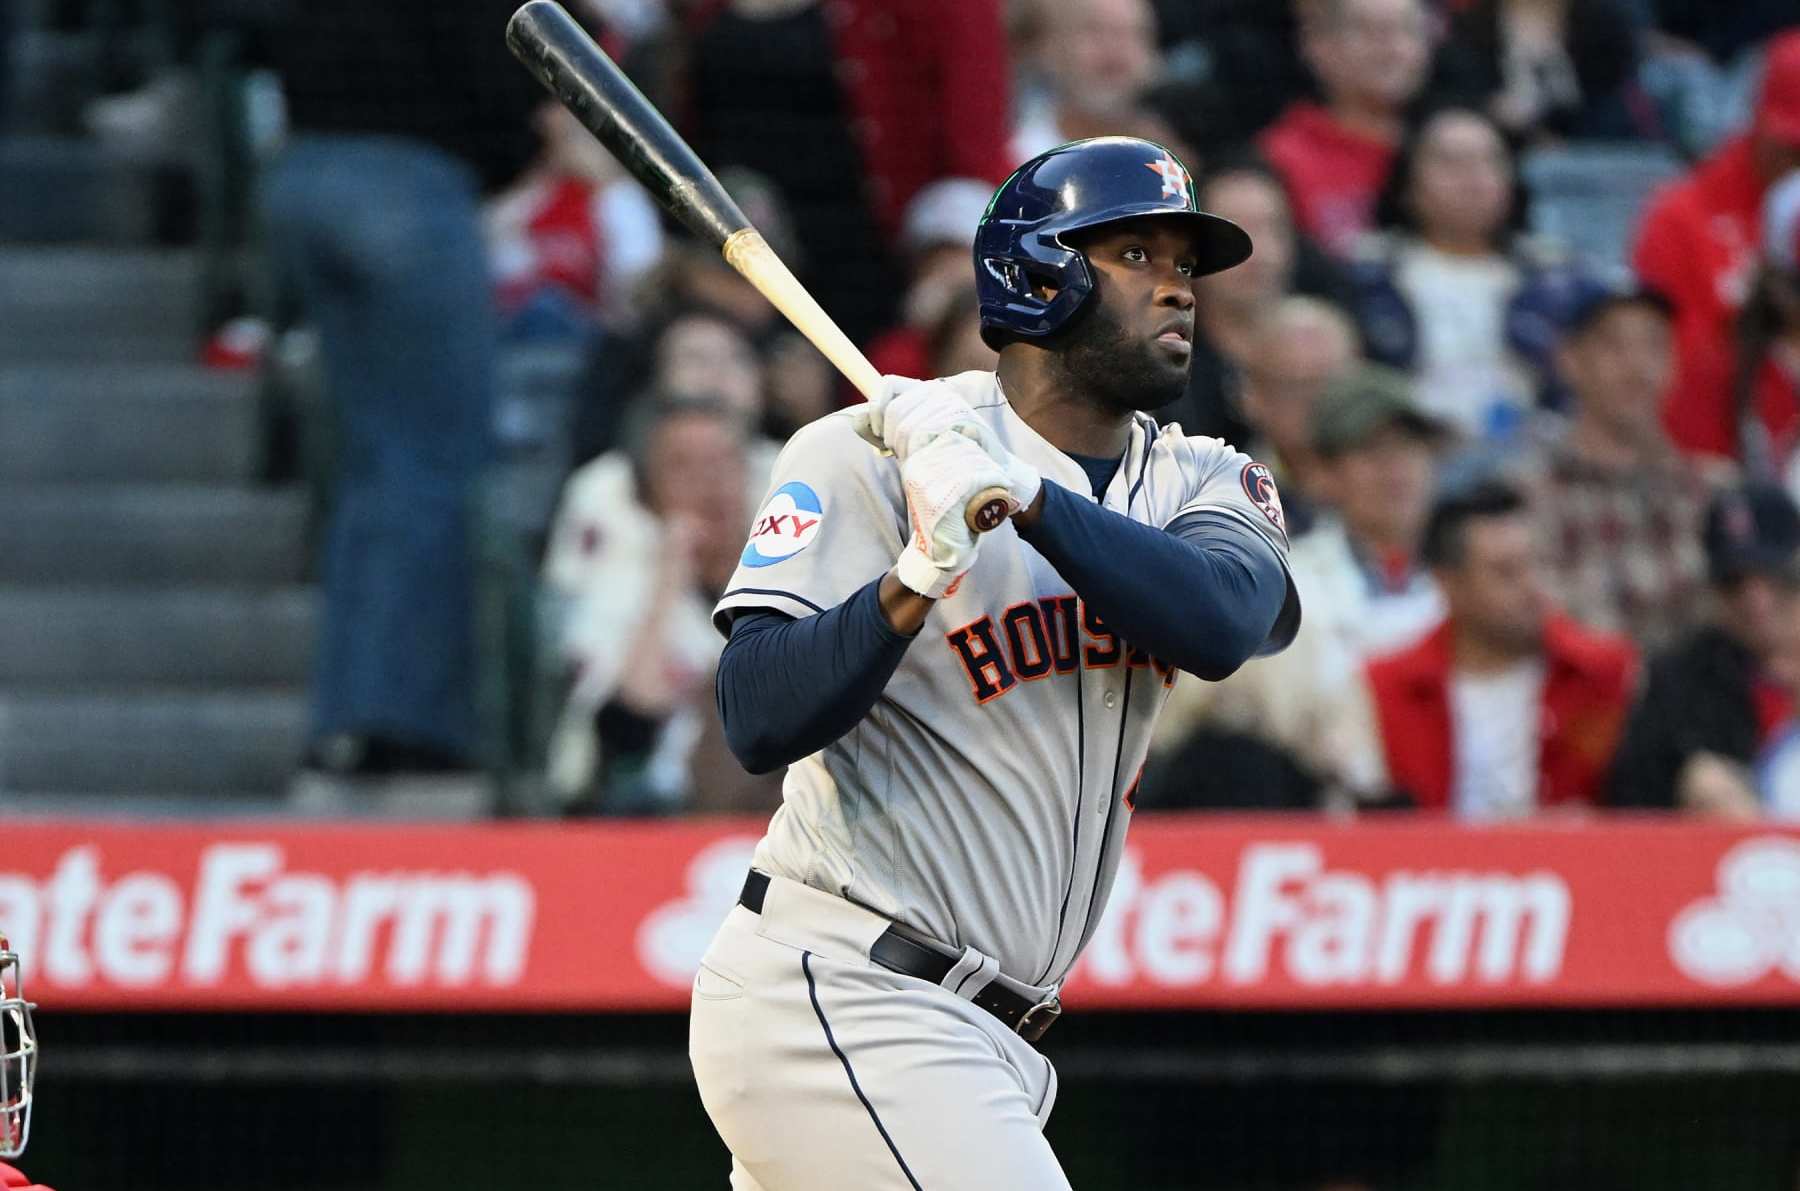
964, 719
18, 1068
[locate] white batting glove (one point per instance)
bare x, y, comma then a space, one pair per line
1023, 481
940, 479
906, 414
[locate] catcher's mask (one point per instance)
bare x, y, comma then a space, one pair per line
18, 1057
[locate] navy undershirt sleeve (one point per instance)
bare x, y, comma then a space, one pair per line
1203, 594
787, 688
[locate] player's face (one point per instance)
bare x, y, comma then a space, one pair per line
1132, 345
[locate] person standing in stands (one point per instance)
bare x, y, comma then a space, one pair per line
402, 116
1698, 245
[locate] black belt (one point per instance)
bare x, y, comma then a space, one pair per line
904, 950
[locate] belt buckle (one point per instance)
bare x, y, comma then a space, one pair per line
1038, 1019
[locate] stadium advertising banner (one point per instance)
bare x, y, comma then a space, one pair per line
1209, 911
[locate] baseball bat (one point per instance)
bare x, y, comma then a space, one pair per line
543, 36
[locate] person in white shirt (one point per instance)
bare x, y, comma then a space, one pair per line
1509, 707
1449, 291
1375, 451
1378, 448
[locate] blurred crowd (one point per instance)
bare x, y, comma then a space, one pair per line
1542, 488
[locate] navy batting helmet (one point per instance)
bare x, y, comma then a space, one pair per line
1083, 184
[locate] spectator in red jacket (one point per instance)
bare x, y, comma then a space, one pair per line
1509, 707
1766, 354
1699, 244
850, 107
1370, 58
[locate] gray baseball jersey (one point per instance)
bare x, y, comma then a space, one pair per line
984, 799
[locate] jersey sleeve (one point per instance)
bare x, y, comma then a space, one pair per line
834, 518
1221, 480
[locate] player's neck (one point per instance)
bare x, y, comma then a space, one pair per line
1071, 422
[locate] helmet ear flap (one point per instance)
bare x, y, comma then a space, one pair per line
1026, 312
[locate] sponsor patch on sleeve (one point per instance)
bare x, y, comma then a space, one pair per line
1259, 486
786, 526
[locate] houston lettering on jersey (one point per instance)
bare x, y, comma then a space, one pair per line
1038, 638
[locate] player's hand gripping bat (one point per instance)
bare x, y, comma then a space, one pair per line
565, 59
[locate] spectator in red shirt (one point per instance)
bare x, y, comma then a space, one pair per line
1509, 707
1699, 243
1767, 351
569, 238
1370, 58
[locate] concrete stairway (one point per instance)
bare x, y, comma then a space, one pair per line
154, 629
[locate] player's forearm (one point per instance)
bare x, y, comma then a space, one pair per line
787, 688
1204, 599
904, 608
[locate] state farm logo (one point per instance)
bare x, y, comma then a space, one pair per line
673, 937
251, 918
1289, 917
1751, 927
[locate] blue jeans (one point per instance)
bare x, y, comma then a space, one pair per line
381, 240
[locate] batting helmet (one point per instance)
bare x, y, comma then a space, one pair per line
1083, 184
18, 1057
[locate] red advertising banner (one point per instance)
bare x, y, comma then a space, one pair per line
1209, 911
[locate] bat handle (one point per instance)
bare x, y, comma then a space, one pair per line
987, 510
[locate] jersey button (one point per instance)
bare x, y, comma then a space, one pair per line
1110, 699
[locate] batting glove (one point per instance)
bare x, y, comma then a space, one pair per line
940, 479
906, 414
1023, 481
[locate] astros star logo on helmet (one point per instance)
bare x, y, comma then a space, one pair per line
1174, 177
